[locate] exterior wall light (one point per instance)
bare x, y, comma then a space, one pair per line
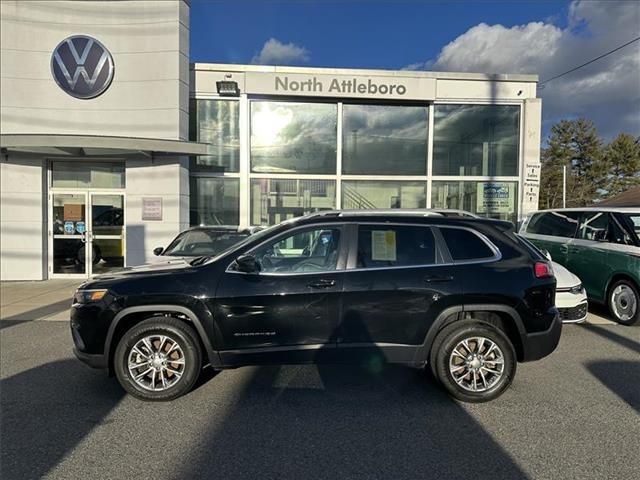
228, 88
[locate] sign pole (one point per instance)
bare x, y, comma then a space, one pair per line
564, 186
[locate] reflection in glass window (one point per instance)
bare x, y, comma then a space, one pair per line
476, 140
87, 174
382, 139
214, 201
273, 201
364, 194
486, 199
216, 122
308, 251
557, 224
465, 245
293, 137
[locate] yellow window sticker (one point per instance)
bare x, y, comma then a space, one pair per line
383, 245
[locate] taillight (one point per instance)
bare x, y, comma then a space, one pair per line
543, 270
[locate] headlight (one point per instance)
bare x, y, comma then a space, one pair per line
88, 296
577, 290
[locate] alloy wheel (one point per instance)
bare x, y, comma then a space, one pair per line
156, 362
476, 364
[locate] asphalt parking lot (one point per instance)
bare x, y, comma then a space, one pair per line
572, 415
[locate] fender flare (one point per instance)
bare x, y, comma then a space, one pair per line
422, 353
213, 356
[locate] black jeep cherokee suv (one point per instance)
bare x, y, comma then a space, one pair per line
465, 296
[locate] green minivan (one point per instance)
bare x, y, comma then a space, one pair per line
601, 246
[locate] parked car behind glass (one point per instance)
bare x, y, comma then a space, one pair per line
601, 246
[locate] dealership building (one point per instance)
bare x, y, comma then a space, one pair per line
112, 142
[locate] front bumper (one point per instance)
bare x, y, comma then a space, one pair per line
93, 360
576, 314
540, 344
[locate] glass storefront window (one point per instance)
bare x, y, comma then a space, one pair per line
289, 137
214, 201
384, 139
216, 122
486, 199
476, 140
81, 174
365, 194
273, 201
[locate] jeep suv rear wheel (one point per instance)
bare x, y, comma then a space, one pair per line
158, 359
474, 361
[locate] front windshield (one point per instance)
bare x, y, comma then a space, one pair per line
196, 243
251, 238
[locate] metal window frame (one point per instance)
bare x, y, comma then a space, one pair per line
246, 175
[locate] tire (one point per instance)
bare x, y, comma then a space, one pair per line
165, 379
491, 381
623, 301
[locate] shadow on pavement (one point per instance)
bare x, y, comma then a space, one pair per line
621, 377
42, 311
11, 323
76, 399
615, 337
347, 422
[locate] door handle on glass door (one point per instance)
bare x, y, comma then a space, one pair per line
322, 284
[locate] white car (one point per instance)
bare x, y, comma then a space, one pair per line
571, 297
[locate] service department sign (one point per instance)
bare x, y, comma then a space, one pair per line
82, 66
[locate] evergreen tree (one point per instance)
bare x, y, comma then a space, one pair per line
576, 145
622, 157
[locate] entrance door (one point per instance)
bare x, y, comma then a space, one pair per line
68, 217
87, 232
106, 232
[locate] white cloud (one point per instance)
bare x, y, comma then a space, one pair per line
607, 91
274, 52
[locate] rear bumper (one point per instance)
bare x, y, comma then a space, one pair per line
93, 360
540, 344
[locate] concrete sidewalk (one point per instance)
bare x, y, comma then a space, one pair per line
44, 300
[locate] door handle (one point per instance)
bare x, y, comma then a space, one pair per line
438, 279
322, 284
564, 248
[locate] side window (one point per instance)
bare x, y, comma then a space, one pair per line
304, 251
465, 245
556, 224
395, 246
594, 226
600, 227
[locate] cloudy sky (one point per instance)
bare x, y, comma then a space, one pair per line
542, 37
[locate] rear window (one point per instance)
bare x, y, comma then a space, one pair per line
465, 245
555, 224
395, 246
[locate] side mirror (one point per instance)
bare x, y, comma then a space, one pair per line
247, 264
158, 251
546, 254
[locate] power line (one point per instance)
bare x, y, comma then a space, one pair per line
589, 62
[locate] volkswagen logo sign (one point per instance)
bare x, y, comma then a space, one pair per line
82, 66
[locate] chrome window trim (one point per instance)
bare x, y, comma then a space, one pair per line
497, 254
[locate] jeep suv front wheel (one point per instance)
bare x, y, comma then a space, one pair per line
158, 359
474, 361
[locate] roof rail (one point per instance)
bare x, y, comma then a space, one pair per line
418, 212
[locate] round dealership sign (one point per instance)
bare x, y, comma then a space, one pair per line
82, 66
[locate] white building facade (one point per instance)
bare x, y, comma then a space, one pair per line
112, 143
